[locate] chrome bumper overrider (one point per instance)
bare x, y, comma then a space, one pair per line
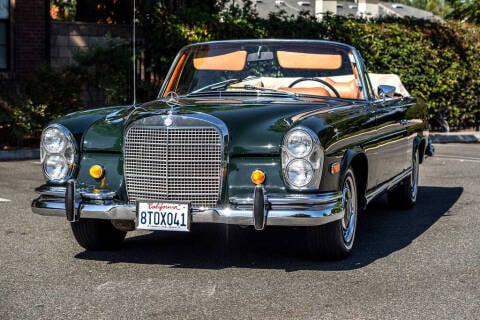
280, 210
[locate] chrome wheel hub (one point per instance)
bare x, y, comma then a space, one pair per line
349, 221
414, 177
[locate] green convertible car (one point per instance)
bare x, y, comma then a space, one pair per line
247, 132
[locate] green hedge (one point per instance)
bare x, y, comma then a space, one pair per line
26, 106
437, 61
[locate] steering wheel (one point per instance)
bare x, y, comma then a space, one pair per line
325, 83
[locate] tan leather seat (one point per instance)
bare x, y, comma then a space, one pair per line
318, 91
348, 89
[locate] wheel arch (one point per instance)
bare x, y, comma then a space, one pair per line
357, 160
419, 144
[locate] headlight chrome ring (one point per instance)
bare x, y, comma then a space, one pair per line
302, 159
299, 172
299, 143
54, 140
58, 151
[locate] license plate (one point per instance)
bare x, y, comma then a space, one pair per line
165, 216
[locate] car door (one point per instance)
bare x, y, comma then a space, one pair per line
392, 145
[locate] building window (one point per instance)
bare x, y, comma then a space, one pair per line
4, 34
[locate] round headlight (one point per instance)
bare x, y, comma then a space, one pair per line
299, 172
55, 167
69, 154
54, 140
58, 153
299, 143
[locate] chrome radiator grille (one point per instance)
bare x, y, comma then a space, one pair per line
177, 164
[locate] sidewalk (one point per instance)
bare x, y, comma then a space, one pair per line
21, 154
455, 137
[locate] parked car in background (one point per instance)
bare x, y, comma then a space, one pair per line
247, 132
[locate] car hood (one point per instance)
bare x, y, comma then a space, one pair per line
255, 128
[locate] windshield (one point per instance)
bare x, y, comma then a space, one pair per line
304, 68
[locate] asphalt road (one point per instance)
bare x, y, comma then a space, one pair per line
418, 264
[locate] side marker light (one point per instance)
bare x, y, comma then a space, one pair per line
335, 168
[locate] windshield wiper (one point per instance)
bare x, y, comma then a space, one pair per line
215, 86
252, 87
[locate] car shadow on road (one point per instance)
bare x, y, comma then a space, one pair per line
381, 231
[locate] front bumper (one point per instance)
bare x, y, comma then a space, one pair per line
279, 210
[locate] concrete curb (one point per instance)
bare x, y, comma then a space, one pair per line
456, 137
22, 154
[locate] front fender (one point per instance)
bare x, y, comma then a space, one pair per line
78, 123
356, 159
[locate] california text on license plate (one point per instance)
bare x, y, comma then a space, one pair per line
166, 216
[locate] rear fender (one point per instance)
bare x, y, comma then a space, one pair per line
419, 144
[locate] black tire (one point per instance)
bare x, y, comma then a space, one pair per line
336, 239
97, 235
405, 195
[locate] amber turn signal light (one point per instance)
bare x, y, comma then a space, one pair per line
335, 168
96, 171
258, 176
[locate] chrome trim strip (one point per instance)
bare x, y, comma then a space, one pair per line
59, 192
304, 211
53, 191
99, 195
278, 200
387, 185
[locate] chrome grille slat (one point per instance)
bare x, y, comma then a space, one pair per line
177, 164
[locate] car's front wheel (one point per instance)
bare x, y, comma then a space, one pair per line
95, 234
335, 240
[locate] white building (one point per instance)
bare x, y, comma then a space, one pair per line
362, 8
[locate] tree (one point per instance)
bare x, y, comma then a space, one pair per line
467, 10
104, 11
116, 11
438, 7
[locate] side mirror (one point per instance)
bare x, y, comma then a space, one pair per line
385, 91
